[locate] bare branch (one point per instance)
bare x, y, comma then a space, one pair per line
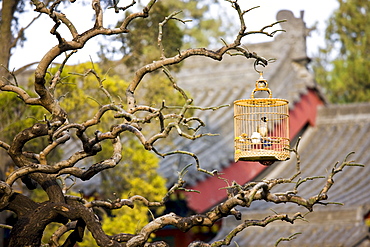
248, 223
168, 74
60, 140
22, 30
160, 32
193, 155
4, 145
117, 9
56, 78
6, 191
75, 212
6, 226
290, 238
41, 8
54, 239
100, 81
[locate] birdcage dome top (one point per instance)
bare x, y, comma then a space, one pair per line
271, 102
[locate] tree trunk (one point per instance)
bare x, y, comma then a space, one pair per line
32, 220
6, 37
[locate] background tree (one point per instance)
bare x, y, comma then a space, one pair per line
7, 38
342, 66
79, 92
101, 129
200, 25
11, 32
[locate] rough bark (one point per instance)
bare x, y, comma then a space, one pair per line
6, 36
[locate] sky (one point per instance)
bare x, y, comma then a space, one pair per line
316, 12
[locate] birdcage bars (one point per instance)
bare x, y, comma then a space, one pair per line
261, 127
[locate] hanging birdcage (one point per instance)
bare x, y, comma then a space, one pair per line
261, 127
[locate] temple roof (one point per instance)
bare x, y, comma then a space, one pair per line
215, 83
330, 228
339, 130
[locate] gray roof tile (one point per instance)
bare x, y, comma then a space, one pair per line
340, 129
214, 83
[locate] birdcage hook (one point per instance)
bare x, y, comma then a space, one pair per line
259, 62
261, 85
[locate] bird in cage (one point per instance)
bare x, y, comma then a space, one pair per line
242, 138
262, 127
256, 137
263, 131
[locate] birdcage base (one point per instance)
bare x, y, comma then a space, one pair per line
261, 155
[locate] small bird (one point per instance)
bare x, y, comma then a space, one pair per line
262, 127
256, 137
242, 138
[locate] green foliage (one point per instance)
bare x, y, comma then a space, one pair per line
141, 46
157, 88
136, 164
80, 93
81, 96
135, 175
342, 67
16, 116
205, 28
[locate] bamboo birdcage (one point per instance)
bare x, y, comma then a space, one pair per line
261, 127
